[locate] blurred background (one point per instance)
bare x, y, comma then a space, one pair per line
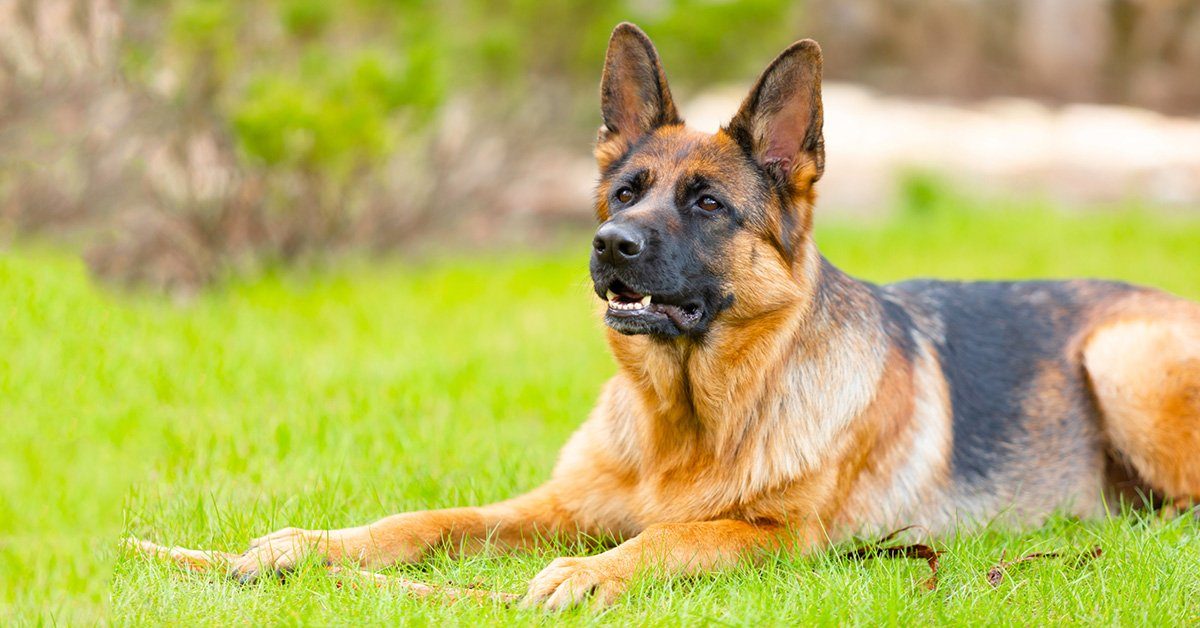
176, 142
298, 262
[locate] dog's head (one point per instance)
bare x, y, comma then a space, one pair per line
702, 230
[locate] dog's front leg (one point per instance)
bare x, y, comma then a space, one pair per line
408, 537
666, 550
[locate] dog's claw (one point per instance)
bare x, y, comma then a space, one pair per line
568, 582
275, 553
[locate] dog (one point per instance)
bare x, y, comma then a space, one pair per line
765, 401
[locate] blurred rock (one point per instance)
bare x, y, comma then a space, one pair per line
1075, 154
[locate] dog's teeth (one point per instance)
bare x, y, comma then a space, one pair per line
616, 303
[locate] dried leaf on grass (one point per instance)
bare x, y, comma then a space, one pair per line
995, 575
201, 561
920, 551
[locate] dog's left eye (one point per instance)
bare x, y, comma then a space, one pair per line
708, 204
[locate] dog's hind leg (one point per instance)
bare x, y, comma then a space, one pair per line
1145, 374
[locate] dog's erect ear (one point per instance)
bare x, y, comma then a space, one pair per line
780, 121
634, 97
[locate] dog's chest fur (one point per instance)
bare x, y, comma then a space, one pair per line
746, 428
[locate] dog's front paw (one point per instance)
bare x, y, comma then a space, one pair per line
279, 552
567, 582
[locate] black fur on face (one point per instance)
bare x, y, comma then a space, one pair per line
660, 201
685, 292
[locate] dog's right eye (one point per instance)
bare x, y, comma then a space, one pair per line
625, 195
708, 204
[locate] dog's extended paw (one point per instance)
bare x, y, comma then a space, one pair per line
278, 552
568, 582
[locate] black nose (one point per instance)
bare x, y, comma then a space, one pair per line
618, 244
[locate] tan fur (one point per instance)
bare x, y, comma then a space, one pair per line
908, 462
1145, 371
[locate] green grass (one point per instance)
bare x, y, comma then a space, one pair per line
331, 399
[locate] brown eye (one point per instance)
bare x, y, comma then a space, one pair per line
624, 195
708, 204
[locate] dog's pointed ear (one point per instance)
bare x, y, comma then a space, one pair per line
634, 97
780, 121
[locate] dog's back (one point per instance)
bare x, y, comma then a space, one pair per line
1029, 430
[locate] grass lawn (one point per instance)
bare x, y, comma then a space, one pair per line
333, 398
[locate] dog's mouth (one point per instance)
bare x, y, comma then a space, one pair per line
631, 311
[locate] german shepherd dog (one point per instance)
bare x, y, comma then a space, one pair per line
766, 401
